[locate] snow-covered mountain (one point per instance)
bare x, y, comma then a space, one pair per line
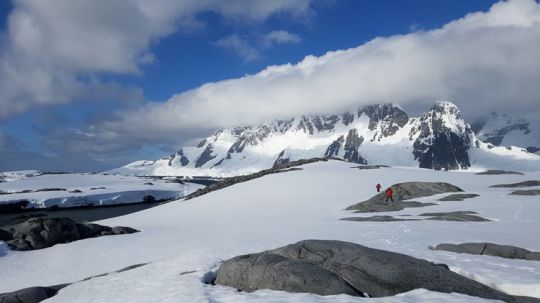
377, 134
504, 130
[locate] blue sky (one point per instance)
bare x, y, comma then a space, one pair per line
220, 45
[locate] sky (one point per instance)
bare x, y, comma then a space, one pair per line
94, 85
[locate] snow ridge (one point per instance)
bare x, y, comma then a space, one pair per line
375, 134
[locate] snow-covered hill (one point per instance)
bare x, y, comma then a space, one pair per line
36, 190
504, 130
379, 134
184, 240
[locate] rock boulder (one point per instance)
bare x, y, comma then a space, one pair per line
320, 266
38, 233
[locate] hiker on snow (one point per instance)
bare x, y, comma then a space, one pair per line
389, 193
378, 186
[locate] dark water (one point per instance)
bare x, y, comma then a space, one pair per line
77, 214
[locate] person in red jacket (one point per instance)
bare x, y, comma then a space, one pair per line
378, 187
389, 194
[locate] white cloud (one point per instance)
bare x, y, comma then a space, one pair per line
252, 50
482, 62
52, 47
240, 46
280, 37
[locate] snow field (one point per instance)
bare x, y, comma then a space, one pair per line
276, 210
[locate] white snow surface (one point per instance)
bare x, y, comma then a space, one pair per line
18, 174
530, 136
183, 240
96, 189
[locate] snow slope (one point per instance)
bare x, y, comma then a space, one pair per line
377, 134
94, 190
184, 240
505, 130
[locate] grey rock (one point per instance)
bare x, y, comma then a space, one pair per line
374, 272
460, 216
370, 166
122, 230
528, 183
414, 204
206, 155
404, 191
28, 295
437, 146
352, 143
458, 197
377, 219
490, 249
333, 149
499, 172
38, 233
528, 192
272, 271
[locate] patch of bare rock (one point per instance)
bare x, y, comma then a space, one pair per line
404, 191
490, 249
326, 267
38, 233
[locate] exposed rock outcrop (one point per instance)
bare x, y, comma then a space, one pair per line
404, 191
460, 216
490, 249
38, 233
346, 268
458, 197
286, 166
377, 219
31, 294
526, 192
528, 183
499, 172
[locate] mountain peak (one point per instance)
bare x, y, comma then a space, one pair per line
374, 134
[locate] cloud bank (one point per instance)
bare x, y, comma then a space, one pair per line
56, 51
483, 61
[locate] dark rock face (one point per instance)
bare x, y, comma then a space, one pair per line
183, 159
31, 294
387, 118
207, 155
281, 160
490, 249
499, 172
440, 146
377, 219
527, 192
458, 197
272, 271
352, 143
373, 272
459, 216
404, 191
519, 184
333, 149
370, 166
38, 233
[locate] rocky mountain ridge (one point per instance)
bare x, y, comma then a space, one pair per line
439, 139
